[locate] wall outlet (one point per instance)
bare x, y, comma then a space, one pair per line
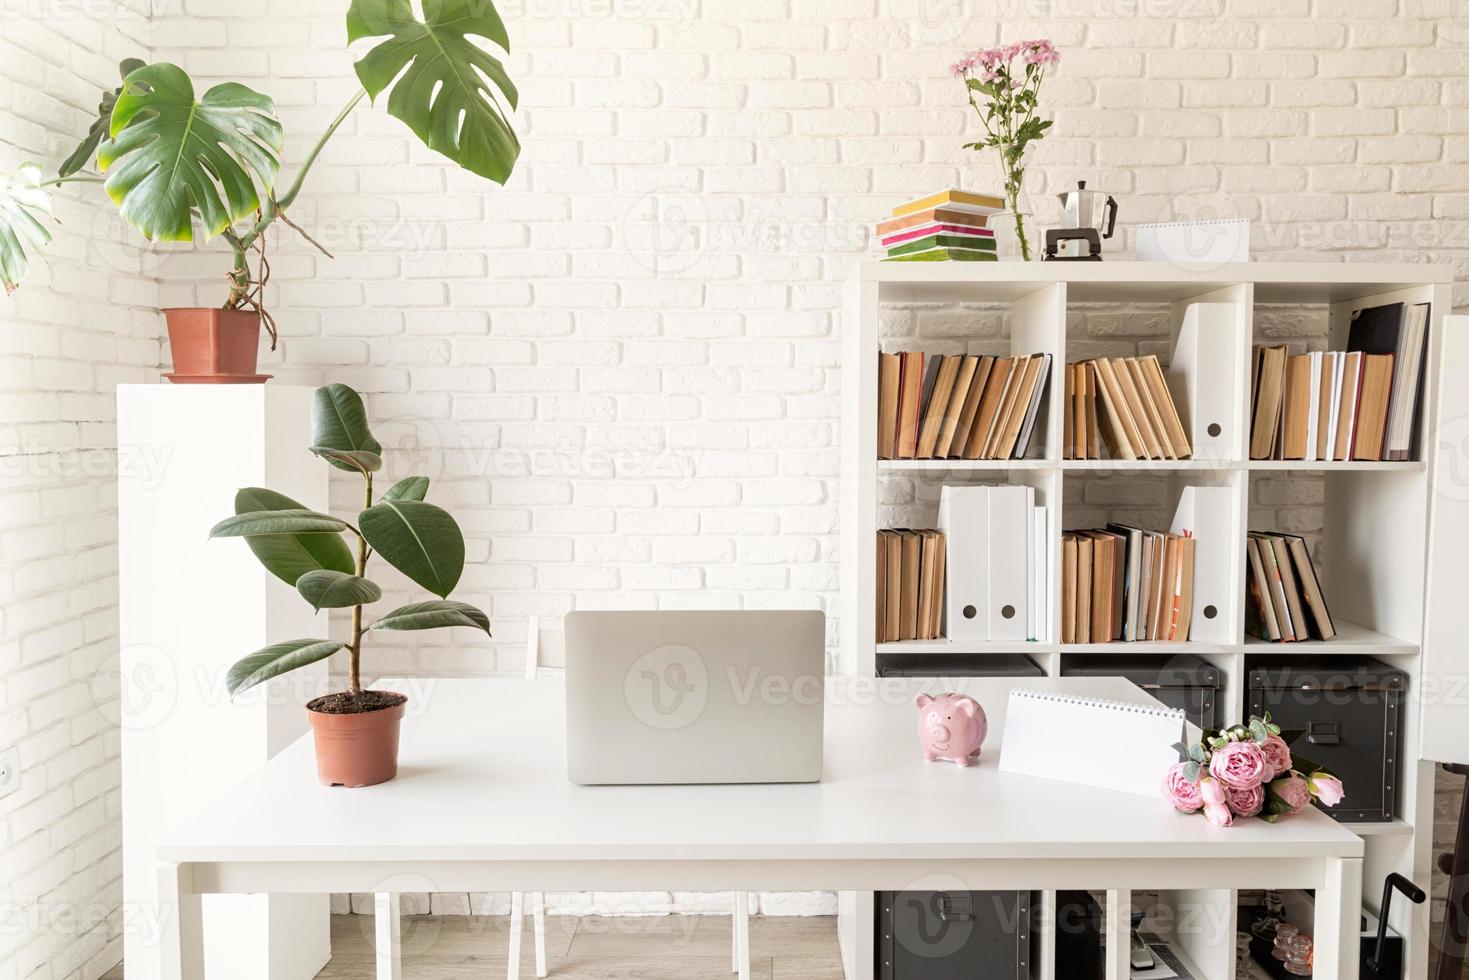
9, 771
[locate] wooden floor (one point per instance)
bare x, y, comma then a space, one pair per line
676, 947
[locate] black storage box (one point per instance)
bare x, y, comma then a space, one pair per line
957, 665
1184, 681
1079, 937
1349, 710
953, 935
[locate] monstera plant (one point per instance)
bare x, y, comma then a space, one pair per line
357, 729
186, 167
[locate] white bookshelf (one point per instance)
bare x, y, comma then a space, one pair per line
1392, 572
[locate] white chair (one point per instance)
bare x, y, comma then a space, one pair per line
545, 652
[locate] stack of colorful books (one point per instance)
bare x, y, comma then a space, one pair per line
945, 227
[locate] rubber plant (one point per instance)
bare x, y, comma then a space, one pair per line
326, 559
182, 167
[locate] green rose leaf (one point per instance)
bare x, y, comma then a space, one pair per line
433, 615
21, 232
172, 156
408, 488
276, 522
1192, 771
445, 86
326, 589
419, 539
276, 659
339, 422
289, 556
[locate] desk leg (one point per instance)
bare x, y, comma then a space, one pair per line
388, 925
180, 923
1338, 911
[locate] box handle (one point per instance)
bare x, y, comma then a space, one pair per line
1323, 732
954, 908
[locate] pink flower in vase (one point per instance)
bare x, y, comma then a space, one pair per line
1246, 802
1277, 756
1212, 791
1218, 814
1240, 765
1181, 791
1327, 788
1293, 791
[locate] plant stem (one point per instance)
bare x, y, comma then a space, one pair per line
289, 197
354, 666
73, 179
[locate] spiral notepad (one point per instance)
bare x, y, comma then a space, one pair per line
1090, 741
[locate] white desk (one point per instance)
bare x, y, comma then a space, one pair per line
481, 803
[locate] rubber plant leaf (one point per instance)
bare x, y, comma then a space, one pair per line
173, 156
339, 423
326, 589
419, 539
408, 488
289, 556
447, 88
434, 614
349, 459
276, 659
85, 150
21, 233
276, 522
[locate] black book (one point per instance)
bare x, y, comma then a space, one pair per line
1395, 329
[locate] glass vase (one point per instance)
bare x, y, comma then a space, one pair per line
1015, 236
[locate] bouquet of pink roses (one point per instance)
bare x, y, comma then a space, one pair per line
1247, 771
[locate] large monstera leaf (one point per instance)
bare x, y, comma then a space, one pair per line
85, 150
21, 232
450, 88
173, 155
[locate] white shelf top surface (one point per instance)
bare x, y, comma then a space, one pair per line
483, 777
1117, 280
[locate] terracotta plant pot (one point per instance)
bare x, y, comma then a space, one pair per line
356, 749
213, 346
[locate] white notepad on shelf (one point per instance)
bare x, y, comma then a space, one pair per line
1090, 741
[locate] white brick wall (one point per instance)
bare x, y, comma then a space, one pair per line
622, 370
85, 321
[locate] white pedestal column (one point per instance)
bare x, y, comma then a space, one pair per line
189, 607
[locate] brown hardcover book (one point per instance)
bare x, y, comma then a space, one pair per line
946, 372
1117, 427
1323, 404
927, 565
1372, 406
1277, 588
1184, 620
1270, 391
882, 585
1259, 610
889, 376
893, 621
938, 215
1068, 426
1068, 588
1151, 407
912, 577
1008, 399
1093, 426
1315, 599
1084, 567
1297, 407
989, 406
963, 381
910, 400
1145, 586
1104, 579
1157, 385
1137, 407
1025, 393
970, 412
936, 616
1167, 585
1346, 407
1291, 585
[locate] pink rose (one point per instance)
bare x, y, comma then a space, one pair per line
1246, 802
1277, 756
1211, 791
1327, 788
1218, 814
1293, 791
1181, 791
1239, 764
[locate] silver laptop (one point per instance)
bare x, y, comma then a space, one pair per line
694, 697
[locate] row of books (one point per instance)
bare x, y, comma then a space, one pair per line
949, 226
1360, 403
910, 584
1284, 599
958, 406
1126, 583
1122, 404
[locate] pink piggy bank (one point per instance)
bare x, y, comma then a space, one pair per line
950, 726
